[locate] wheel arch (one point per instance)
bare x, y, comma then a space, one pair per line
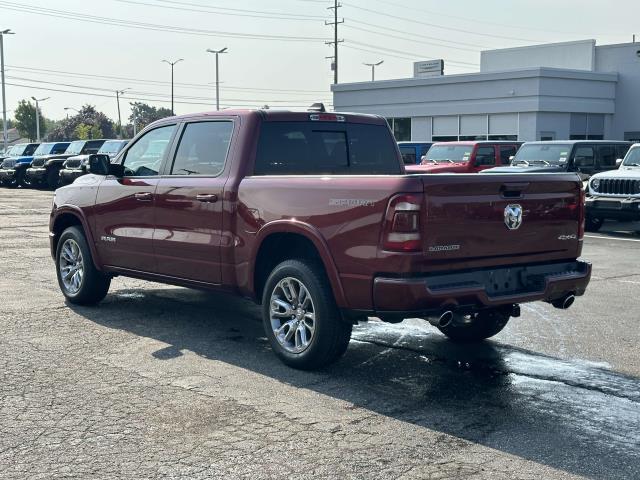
68, 216
280, 241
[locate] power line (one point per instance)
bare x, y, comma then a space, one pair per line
138, 98
65, 73
422, 23
149, 26
185, 6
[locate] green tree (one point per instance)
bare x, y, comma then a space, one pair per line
143, 114
101, 125
86, 132
25, 120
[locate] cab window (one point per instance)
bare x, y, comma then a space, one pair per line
584, 157
485, 156
144, 158
203, 149
506, 152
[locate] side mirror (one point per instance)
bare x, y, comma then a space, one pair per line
99, 164
618, 162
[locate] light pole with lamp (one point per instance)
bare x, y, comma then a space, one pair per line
4, 96
217, 52
172, 64
38, 115
66, 109
373, 68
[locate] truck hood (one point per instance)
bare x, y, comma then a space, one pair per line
622, 172
439, 168
524, 169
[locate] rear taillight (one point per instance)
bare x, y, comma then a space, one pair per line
581, 214
401, 231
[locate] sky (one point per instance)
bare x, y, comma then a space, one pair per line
82, 51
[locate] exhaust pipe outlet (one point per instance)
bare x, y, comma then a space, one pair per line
564, 302
443, 320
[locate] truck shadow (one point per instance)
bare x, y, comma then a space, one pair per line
574, 416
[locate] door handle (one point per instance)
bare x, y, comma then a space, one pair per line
143, 197
207, 197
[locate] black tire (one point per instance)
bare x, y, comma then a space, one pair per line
53, 178
476, 327
94, 285
331, 334
25, 182
16, 180
593, 224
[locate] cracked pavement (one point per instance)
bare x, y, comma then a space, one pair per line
165, 382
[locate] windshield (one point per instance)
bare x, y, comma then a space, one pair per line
633, 158
44, 149
74, 148
18, 150
111, 147
546, 154
449, 153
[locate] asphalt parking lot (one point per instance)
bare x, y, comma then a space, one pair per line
165, 382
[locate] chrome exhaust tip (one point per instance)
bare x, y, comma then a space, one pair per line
443, 320
564, 302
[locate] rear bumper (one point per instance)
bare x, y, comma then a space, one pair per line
36, 173
68, 175
614, 208
476, 289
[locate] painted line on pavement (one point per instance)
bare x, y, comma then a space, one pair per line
613, 238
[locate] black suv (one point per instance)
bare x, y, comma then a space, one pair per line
46, 170
586, 157
77, 166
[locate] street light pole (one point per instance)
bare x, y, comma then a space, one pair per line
118, 93
4, 96
38, 115
172, 64
373, 69
217, 52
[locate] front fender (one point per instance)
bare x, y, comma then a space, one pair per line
57, 213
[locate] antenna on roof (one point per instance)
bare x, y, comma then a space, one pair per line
317, 107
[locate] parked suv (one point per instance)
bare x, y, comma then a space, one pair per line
585, 157
76, 166
412, 152
466, 157
615, 194
13, 167
312, 215
46, 170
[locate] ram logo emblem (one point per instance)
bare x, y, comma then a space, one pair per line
513, 216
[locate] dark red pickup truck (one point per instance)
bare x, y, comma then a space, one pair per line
313, 216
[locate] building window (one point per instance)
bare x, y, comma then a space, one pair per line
401, 128
632, 137
510, 138
444, 138
468, 138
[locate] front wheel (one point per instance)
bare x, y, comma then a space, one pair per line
476, 327
16, 180
53, 178
80, 281
300, 317
593, 224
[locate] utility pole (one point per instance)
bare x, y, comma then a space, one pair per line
118, 93
373, 69
38, 115
4, 96
335, 23
217, 52
172, 64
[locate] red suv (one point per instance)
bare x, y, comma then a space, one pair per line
466, 157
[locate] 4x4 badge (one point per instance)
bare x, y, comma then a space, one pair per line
513, 216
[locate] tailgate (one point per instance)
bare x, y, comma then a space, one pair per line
480, 216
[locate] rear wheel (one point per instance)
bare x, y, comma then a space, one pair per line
593, 224
80, 281
477, 326
300, 317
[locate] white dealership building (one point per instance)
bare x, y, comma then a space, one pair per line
574, 90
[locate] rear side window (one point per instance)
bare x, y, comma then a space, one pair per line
506, 152
486, 156
408, 155
203, 149
607, 156
317, 148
